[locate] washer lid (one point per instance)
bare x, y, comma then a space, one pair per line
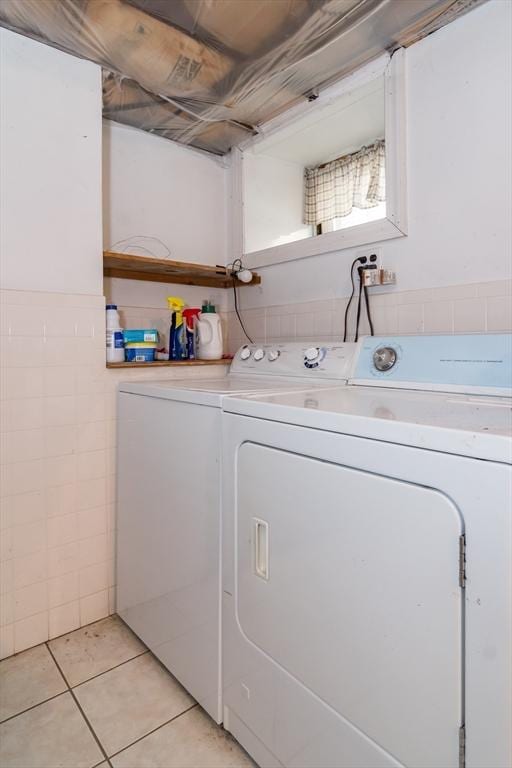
476, 426
212, 391
280, 367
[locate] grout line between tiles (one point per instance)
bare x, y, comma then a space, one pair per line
90, 623
23, 711
70, 690
193, 706
121, 663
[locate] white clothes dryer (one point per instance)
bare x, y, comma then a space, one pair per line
367, 562
168, 509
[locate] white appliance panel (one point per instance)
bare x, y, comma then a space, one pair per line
315, 360
212, 392
358, 597
466, 425
472, 362
282, 699
168, 536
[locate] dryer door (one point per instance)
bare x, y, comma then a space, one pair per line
348, 581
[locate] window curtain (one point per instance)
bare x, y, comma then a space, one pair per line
357, 180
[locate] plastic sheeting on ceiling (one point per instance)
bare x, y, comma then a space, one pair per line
209, 72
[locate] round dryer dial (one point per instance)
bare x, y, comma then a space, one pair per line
245, 353
259, 354
273, 355
384, 358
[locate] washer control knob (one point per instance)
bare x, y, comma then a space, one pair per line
245, 353
259, 354
311, 354
273, 355
384, 358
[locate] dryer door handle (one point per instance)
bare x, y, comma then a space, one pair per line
260, 547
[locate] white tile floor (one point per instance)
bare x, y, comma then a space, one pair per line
98, 697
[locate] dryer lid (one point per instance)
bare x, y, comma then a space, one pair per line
464, 425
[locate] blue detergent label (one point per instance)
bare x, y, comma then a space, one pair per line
118, 340
135, 335
177, 348
137, 355
191, 343
478, 360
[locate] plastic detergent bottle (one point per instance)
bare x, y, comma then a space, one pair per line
209, 338
177, 347
114, 336
190, 316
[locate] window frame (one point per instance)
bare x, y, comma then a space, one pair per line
394, 225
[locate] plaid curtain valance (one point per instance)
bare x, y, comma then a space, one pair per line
357, 180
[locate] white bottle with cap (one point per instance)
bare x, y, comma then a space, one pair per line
114, 335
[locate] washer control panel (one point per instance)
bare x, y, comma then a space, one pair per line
321, 360
313, 356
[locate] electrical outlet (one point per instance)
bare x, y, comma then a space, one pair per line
368, 253
370, 277
387, 276
378, 277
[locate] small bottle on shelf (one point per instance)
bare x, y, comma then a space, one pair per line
114, 336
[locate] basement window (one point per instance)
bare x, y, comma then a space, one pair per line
346, 191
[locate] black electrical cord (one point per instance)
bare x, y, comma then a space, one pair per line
238, 313
367, 302
358, 318
361, 260
237, 266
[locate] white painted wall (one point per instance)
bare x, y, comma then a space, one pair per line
273, 202
155, 187
459, 128
50, 177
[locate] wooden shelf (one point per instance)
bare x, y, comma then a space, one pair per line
166, 271
169, 363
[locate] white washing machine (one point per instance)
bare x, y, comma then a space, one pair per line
367, 562
168, 515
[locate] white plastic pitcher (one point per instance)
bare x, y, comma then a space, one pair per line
209, 336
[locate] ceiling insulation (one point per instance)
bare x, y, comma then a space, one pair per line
209, 72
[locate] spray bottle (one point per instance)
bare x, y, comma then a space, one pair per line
177, 342
190, 316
